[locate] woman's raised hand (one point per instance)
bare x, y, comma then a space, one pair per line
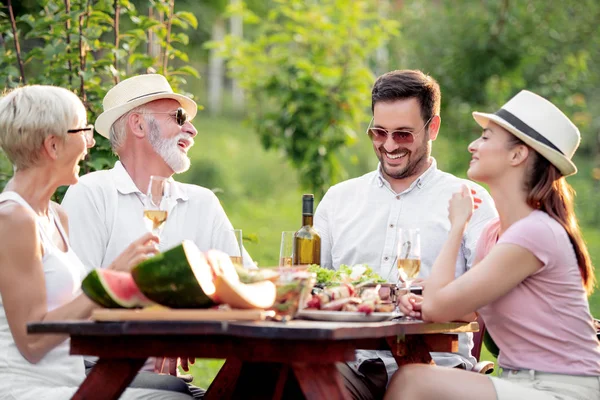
136, 252
461, 206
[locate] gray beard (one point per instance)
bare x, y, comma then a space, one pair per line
168, 150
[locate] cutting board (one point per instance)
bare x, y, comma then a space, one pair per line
168, 314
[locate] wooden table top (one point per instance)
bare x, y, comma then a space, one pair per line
295, 329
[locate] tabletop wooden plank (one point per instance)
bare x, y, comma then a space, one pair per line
167, 314
247, 349
201, 346
296, 329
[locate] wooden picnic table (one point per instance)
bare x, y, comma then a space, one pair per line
264, 359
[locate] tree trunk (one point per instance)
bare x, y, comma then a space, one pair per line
215, 70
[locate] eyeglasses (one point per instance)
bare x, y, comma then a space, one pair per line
88, 132
181, 116
380, 135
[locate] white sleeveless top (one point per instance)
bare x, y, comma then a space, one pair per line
58, 375
63, 273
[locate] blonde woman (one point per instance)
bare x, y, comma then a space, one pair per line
532, 273
44, 133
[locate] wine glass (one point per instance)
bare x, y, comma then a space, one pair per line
237, 256
408, 256
286, 249
156, 203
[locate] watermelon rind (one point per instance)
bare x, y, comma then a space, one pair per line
93, 287
168, 278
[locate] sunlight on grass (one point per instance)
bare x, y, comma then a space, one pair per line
204, 371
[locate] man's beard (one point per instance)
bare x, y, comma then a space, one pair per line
415, 161
168, 148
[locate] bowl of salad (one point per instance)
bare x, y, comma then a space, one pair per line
359, 274
294, 288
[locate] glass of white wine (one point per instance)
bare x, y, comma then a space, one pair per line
408, 256
238, 257
286, 250
156, 203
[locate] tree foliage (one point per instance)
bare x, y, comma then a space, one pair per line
308, 80
89, 46
482, 53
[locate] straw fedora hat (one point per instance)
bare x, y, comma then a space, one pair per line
541, 125
134, 92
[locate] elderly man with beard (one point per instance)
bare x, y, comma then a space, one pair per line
150, 130
359, 219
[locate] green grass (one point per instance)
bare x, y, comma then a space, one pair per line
259, 191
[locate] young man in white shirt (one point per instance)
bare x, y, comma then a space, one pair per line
358, 219
150, 129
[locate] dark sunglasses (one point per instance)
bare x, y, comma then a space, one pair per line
380, 135
181, 116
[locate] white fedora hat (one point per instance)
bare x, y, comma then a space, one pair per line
541, 125
134, 92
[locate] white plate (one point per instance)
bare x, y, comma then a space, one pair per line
345, 316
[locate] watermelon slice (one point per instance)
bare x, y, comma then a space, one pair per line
113, 289
184, 277
178, 278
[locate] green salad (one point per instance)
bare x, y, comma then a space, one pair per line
355, 275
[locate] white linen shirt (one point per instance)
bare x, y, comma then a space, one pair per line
358, 221
105, 210
106, 214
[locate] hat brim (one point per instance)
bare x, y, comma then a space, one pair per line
108, 117
564, 165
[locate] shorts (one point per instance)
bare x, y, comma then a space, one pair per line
534, 385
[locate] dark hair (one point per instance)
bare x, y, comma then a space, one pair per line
548, 190
406, 84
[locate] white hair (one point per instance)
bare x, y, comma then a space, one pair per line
118, 130
29, 114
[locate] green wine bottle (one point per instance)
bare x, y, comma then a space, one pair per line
307, 242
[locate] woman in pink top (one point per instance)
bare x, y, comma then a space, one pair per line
534, 273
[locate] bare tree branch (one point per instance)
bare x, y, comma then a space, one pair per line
13, 25
68, 37
116, 29
82, 52
168, 38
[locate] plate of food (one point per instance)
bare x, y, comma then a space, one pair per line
349, 303
345, 316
